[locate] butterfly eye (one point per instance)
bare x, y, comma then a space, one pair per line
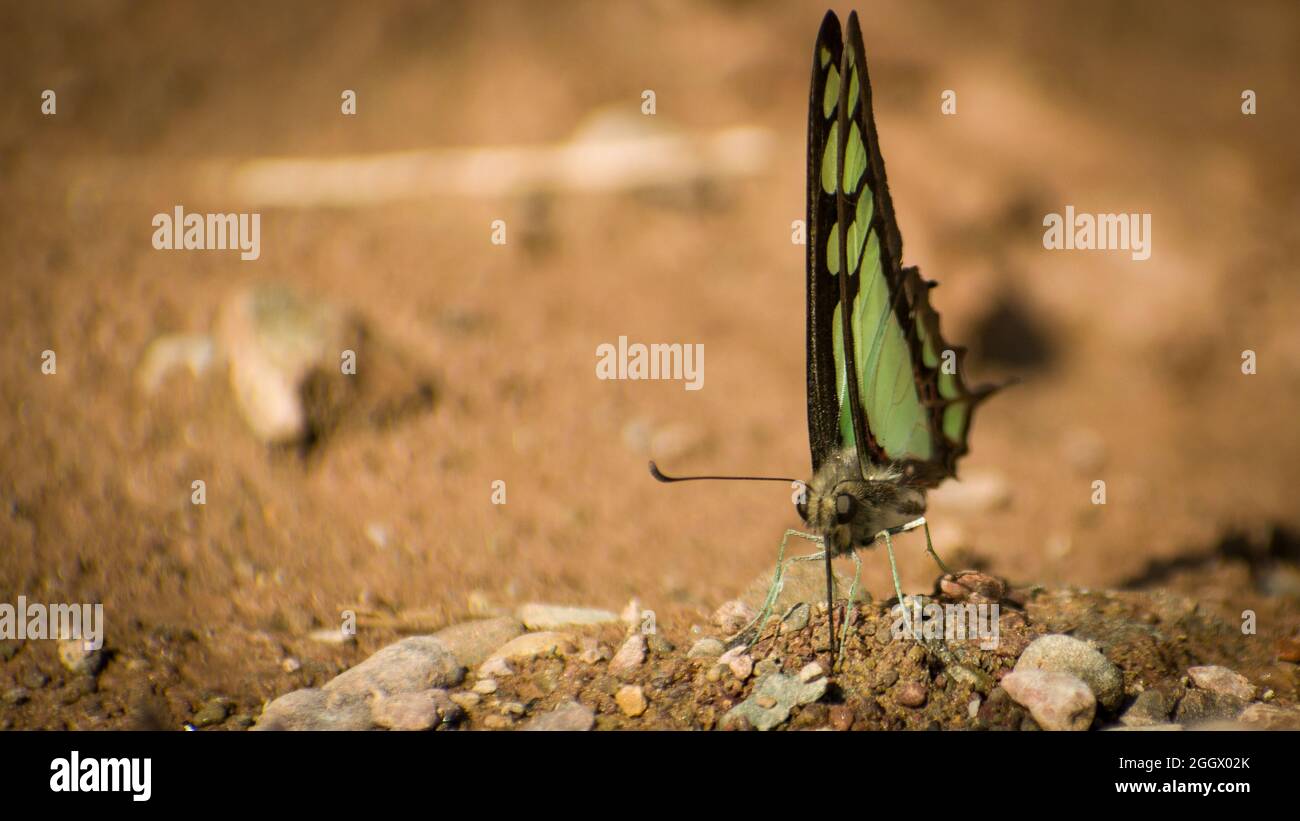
844, 507
802, 507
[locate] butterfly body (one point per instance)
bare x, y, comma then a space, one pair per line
848, 505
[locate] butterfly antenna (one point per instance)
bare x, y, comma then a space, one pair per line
663, 477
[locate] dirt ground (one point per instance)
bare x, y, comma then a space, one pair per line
1130, 371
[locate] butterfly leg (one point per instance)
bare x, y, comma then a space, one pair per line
975, 676
756, 625
849, 611
893, 569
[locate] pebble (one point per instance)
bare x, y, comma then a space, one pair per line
733, 615
1268, 717
466, 701
911, 694
309, 709
631, 700
291, 665
780, 693
78, 657
552, 616
410, 665
841, 717
495, 668
1059, 653
1056, 700
1200, 706
629, 657
472, 642
485, 686
973, 585
1151, 707
706, 648
1223, 681
214, 711
738, 662
797, 619
497, 721
531, 645
568, 716
811, 670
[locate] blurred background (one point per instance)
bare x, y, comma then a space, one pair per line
476, 361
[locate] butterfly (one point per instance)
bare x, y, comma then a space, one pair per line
889, 411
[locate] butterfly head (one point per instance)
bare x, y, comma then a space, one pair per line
848, 506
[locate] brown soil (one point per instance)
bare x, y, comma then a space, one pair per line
1131, 371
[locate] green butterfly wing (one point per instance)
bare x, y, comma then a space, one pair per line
896, 393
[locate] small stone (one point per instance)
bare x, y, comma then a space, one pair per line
495, 668
497, 721
512, 708
410, 665
1268, 717
768, 664
659, 645
781, 693
569, 716
629, 657
1059, 653
715, 673
973, 709
1201, 706
797, 619
1151, 707
485, 686
1057, 701
291, 665
80, 657
214, 711
472, 642
706, 648
841, 717
733, 615
631, 700
531, 645
466, 701
1223, 681
413, 711
811, 670
738, 662
553, 616
970, 584
309, 709
911, 694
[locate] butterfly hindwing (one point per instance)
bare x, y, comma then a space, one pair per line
898, 394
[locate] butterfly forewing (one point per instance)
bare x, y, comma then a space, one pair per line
911, 404
823, 289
